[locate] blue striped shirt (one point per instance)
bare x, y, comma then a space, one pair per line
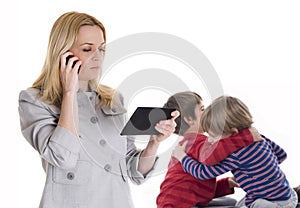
255, 167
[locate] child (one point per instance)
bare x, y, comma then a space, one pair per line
255, 167
180, 189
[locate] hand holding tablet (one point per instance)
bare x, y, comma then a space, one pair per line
144, 119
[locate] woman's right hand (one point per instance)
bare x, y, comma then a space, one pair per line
69, 75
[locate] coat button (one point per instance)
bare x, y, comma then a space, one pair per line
94, 119
70, 175
107, 167
114, 110
102, 142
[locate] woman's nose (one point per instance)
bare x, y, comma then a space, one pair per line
98, 55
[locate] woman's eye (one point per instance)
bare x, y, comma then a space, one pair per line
87, 50
101, 50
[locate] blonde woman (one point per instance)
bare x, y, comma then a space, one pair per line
255, 167
73, 122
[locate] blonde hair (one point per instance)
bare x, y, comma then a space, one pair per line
63, 35
185, 103
224, 114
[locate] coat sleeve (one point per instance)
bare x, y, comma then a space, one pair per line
133, 158
55, 144
133, 154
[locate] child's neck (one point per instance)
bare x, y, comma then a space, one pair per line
195, 131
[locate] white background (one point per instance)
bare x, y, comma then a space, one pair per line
253, 45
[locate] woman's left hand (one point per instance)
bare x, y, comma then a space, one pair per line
165, 128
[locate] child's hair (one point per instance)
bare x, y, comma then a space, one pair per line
224, 114
185, 103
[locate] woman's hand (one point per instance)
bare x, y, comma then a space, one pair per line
69, 75
179, 151
69, 80
165, 128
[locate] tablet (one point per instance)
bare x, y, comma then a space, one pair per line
144, 119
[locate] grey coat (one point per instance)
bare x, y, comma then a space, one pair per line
86, 172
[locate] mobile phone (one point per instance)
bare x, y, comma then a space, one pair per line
67, 60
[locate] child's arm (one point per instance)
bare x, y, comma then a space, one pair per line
213, 153
224, 187
278, 151
205, 172
201, 171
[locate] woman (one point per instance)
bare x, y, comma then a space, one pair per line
74, 123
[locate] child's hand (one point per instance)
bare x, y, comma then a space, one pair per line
255, 134
232, 183
179, 151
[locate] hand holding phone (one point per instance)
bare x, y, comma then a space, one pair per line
74, 62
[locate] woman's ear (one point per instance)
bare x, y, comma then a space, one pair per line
234, 131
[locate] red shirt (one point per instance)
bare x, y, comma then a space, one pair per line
180, 189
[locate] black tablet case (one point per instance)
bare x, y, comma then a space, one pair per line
144, 119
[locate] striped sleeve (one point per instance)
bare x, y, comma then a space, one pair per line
278, 151
205, 172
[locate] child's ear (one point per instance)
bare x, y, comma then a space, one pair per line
189, 120
234, 131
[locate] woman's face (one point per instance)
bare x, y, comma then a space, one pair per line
89, 48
